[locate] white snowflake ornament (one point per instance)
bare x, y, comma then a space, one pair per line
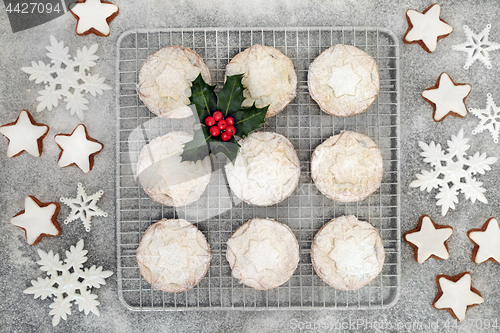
477, 47
489, 118
67, 282
453, 172
83, 207
66, 78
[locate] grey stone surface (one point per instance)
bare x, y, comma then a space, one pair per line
42, 177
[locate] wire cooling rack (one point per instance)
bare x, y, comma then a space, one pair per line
218, 213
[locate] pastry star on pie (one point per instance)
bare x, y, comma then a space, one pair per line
37, 219
344, 80
173, 255
426, 28
265, 171
94, 16
456, 294
24, 135
262, 253
266, 166
487, 242
447, 97
349, 262
78, 148
171, 82
347, 167
429, 240
347, 253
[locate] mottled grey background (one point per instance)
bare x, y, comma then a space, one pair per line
42, 177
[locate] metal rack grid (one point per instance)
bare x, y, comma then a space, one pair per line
218, 213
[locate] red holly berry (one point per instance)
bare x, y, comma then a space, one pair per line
209, 121
231, 130
225, 136
214, 131
230, 121
217, 115
222, 124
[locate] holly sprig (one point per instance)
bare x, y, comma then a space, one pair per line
227, 101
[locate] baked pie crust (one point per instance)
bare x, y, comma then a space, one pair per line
165, 178
173, 255
263, 253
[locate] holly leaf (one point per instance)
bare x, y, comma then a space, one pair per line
230, 97
228, 101
229, 148
249, 119
203, 97
197, 149
204, 144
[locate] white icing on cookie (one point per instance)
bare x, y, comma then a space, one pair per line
477, 47
24, 135
173, 255
429, 240
447, 98
171, 82
347, 253
488, 242
457, 295
93, 14
263, 253
266, 170
77, 148
37, 220
427, 27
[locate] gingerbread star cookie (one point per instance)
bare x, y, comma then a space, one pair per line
78, 148
487, 242
426, 28
447, 97
429, 240
24, 135
456, 294
266, 170
343, 80
38, 219
94, 16
347, 253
